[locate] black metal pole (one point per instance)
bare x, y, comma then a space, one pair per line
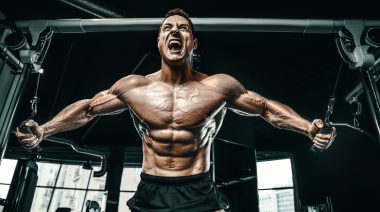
10, 105
23, 186
358, 89
103, 156
373, 97
213, 161
313, 26
98, 9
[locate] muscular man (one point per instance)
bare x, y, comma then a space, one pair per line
177, 112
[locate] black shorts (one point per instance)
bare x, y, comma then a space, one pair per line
195, 193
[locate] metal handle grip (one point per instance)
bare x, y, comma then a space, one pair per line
327, 128
25, 129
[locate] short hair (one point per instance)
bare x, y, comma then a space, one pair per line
180, 12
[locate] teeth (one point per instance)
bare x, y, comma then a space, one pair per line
175, 41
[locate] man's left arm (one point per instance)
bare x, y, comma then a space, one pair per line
249, 103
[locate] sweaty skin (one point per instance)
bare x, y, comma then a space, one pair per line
176, 110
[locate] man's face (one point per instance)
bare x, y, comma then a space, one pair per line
175, 40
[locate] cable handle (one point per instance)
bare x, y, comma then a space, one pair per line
33, 106
25, 129
327, 126
326, 129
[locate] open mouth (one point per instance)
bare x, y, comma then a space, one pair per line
175, 45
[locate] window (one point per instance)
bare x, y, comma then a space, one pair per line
129, 182
64, 185
275, 184
58, 185
7, 168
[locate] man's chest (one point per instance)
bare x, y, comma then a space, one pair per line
185, 105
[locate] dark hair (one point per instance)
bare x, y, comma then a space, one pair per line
180, 12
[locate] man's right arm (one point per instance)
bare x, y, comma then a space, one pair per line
81, 112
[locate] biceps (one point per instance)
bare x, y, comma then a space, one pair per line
106, 103
248, 103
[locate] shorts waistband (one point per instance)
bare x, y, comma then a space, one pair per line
161, 180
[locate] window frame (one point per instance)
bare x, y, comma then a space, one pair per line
57, 188
271, 156
128, 165
10, 182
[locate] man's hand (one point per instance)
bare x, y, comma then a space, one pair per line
30, 140
321, 141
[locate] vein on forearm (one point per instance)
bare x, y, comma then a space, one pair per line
283, 117
71, 117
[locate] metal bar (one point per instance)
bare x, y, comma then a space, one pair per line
4, 34
3, 55
373, 98
22, 187
315, 26
97, 9
357, 129
358, 89
86, 151
86, 192
11, 103
279, 188
213, 168
55, 184
238, 181
234, 143
10, 57
329, 204
69, 188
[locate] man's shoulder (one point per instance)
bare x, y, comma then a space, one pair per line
225, 84
153, 76
219, 78
134, 80
129, 82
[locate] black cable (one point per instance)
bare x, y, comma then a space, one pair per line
332, 100
34, 100
327, 126
337, 79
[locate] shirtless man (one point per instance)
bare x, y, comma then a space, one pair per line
177, 112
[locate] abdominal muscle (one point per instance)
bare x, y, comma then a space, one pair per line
176, 152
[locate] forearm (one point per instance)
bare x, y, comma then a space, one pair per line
283, 117
72, 117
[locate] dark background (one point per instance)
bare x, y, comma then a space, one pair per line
296, 69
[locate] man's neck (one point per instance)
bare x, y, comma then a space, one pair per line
176, 75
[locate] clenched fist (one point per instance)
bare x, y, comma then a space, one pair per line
30, 140
321, 141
